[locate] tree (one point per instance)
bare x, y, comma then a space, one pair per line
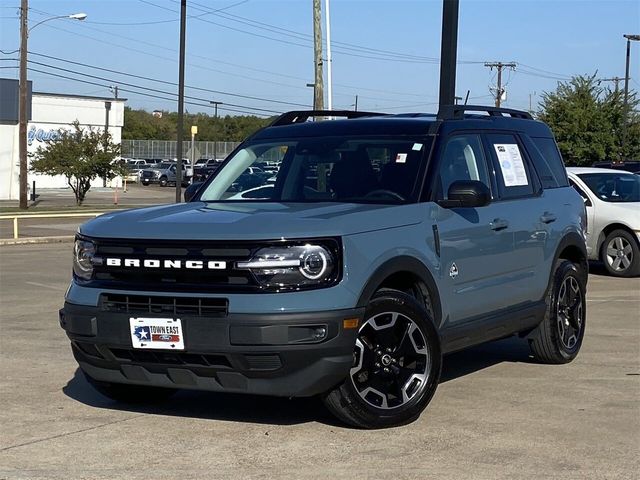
588, 121
80, 155
142, 125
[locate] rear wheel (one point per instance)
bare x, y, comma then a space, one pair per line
396, 365
620, 254
130, 393
559, 336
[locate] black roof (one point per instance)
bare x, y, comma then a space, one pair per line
295, 124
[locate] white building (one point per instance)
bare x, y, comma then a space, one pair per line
51, 112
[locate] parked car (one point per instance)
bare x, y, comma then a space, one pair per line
343, 282
632, 166
612, 199
163, 174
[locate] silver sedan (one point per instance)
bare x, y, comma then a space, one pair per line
612, 199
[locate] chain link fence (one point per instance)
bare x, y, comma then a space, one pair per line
166, 149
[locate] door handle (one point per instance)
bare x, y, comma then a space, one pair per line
547, 217
498, 224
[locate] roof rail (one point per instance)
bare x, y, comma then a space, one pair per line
459, 111
301, 116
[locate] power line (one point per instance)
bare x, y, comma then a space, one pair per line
145, 87
219, 92
157, 22
89, 82
262, 80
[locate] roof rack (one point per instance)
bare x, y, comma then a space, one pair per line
459, 111
301, 116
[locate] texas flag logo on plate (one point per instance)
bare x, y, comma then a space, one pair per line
157, 333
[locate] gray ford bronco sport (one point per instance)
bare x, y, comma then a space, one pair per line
383, 243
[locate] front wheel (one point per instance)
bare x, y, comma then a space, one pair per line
620, 254
164, 182
396, 365
559, 336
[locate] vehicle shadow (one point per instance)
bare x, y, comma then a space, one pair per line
283, 411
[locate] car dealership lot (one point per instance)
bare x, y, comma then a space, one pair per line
495, 414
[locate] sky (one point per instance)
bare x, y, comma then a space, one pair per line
256, 56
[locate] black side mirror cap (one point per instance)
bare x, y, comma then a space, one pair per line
466, 194
191, 191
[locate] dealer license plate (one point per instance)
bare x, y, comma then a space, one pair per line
159, 333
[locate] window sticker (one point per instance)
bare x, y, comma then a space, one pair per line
401, 158
511, 164
417, 147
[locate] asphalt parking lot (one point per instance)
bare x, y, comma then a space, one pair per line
496, 413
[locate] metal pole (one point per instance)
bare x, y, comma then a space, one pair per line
107, 109
448, 57
318, 89
625, 112
183, 28
22, 116
499, 89
215, 125
329, 77
356, 104
626, 76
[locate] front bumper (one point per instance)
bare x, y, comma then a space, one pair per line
245, 353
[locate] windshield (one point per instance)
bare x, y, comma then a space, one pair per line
327, 169
613, 187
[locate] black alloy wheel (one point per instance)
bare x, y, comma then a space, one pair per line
396, 365
558, 337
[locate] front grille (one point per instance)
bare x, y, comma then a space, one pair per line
167, 278
172, 306
171, 358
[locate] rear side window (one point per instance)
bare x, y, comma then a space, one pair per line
513, 175
551, 156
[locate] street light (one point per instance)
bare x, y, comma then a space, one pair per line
22, 117
629, 38
215, 125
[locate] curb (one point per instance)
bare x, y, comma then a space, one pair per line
36, 240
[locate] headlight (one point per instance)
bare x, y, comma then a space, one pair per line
293, 267
83, 255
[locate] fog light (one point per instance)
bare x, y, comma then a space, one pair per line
319, 333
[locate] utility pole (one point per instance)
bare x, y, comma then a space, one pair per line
22, 116
499, 66
318, 84
180, 126
615, 80
114, 90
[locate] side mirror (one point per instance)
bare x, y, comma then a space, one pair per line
467, 194
191, 190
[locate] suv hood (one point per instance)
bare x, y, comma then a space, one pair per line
250, 221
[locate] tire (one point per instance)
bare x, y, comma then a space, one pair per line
620, 254
163, 181
397, 363
145, 184
559, 336
130, 393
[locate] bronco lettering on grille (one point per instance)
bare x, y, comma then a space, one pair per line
169, 264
